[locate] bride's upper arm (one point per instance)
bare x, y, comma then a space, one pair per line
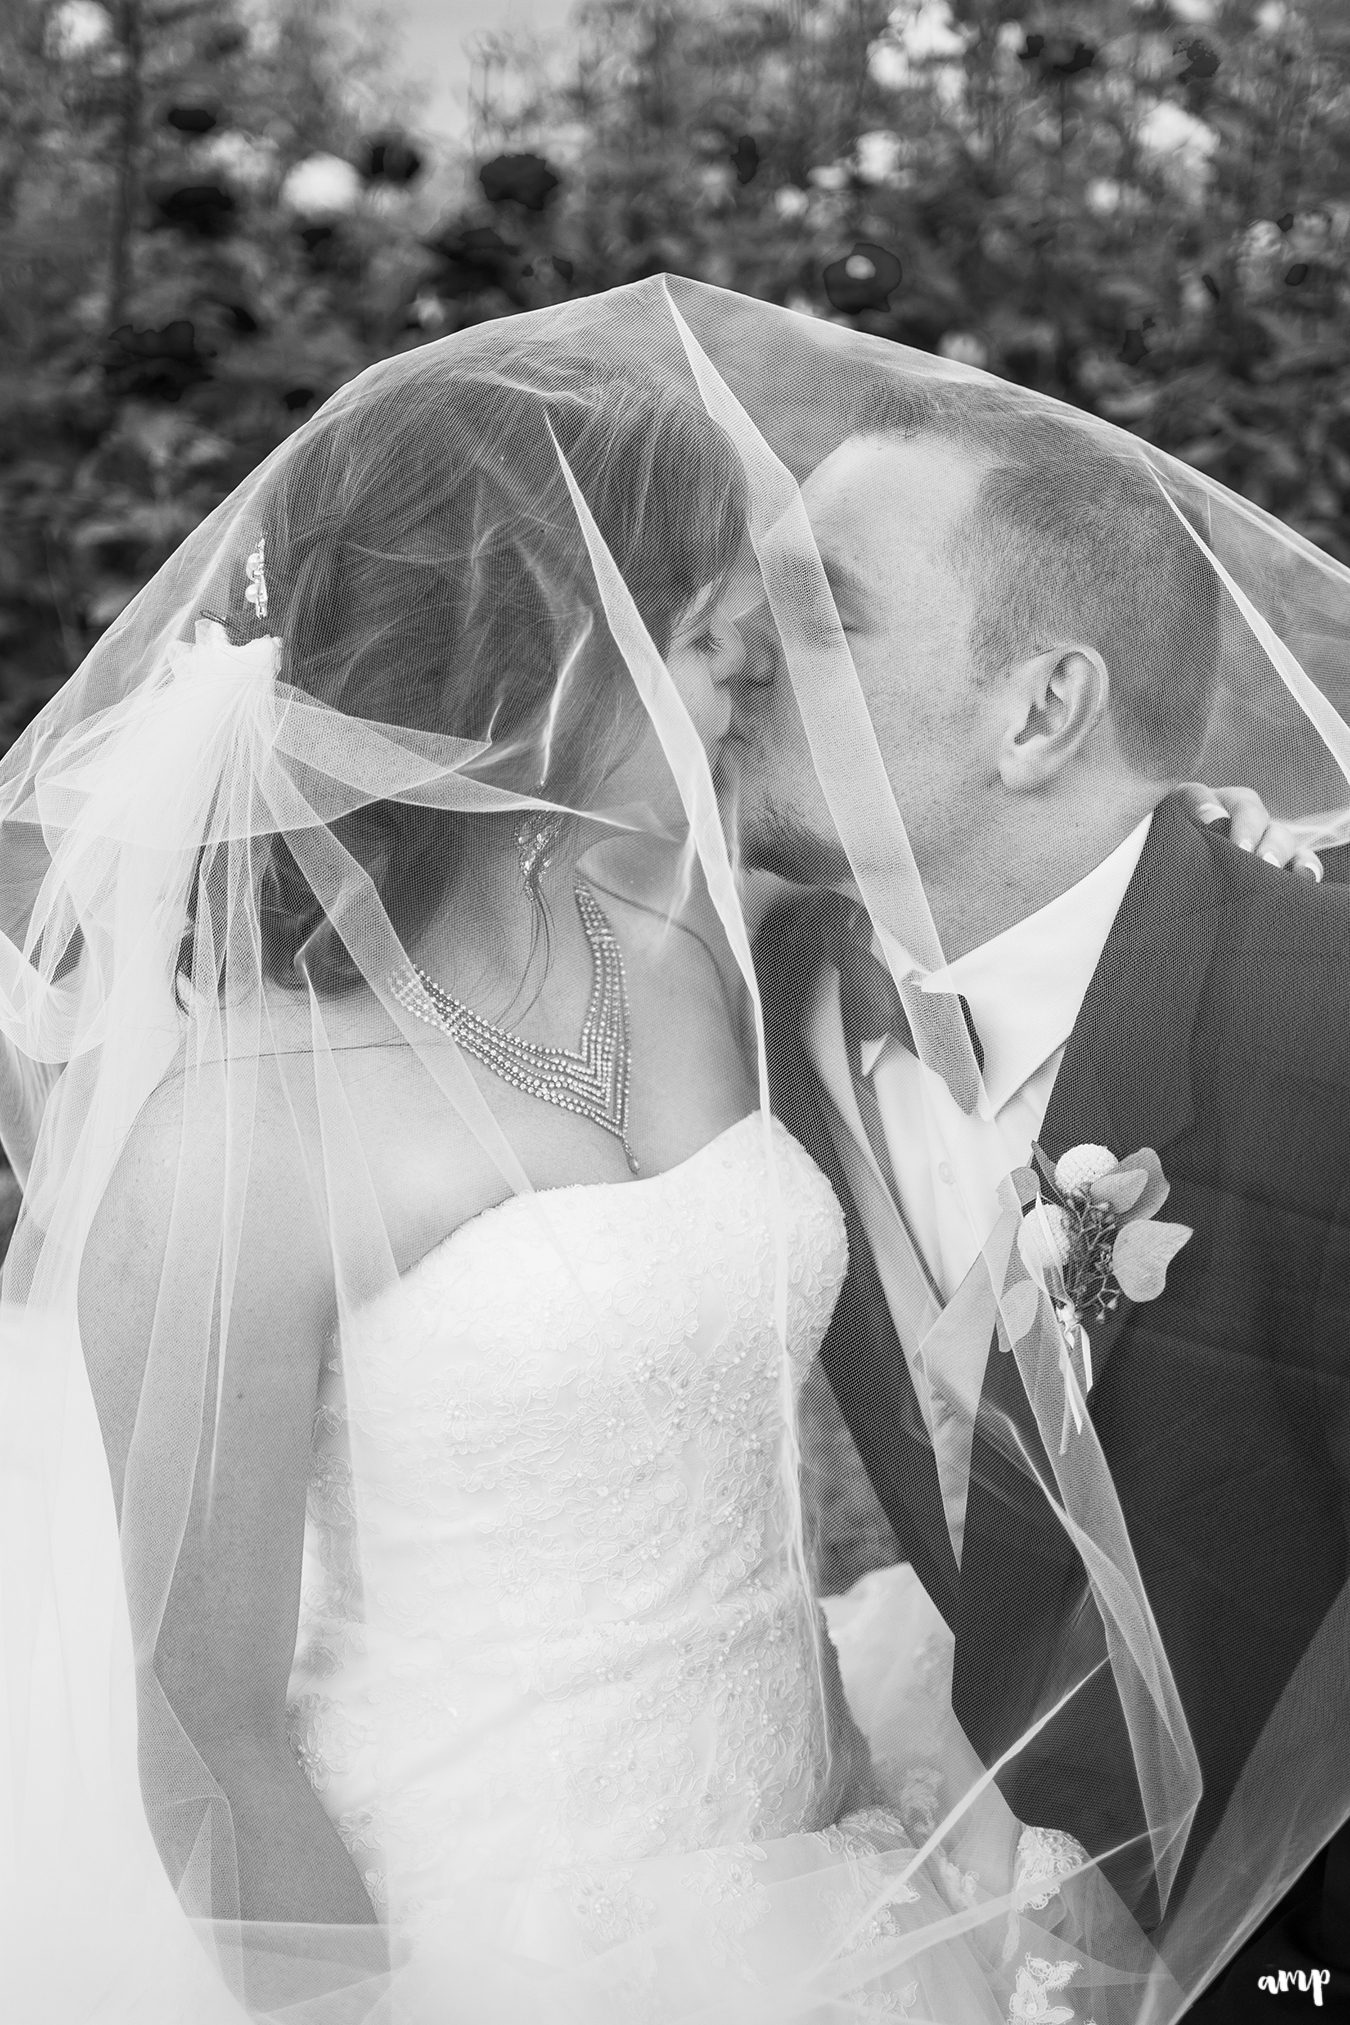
150, 1312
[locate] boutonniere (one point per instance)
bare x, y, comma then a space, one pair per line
1090, 1233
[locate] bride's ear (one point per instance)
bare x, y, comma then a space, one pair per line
1057, 700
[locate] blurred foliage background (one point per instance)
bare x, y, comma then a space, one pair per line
214, 212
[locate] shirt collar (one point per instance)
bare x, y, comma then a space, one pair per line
1025, 987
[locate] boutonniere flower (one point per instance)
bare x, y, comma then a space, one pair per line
1091, 1233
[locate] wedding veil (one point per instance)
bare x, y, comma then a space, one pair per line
443, 606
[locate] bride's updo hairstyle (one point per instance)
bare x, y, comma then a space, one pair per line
426, 569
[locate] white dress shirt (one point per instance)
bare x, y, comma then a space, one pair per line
1025, 989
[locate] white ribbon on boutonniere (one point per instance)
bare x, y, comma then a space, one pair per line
1090, 1233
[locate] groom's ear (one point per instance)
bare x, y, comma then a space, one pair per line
1057, 701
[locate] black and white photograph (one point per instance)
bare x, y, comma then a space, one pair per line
674, 1012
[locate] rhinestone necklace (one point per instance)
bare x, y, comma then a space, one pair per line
593, 1082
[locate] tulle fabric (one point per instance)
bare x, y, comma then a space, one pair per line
213, 736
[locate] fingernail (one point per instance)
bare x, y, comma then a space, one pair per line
1271, 858
1311, 869
1211, 812
1243, 845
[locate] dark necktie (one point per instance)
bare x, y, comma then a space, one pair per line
872, 1009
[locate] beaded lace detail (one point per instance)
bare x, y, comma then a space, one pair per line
566, 1426
1044, 1857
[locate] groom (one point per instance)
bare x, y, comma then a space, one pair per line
1036, 637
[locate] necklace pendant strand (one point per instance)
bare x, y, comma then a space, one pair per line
592, 1081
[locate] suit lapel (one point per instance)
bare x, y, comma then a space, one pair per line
1125, 1082
1126, 1077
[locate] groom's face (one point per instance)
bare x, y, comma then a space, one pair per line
883, 512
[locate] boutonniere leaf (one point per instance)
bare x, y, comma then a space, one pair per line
1141, 1255
1121, 1191
1154, 1192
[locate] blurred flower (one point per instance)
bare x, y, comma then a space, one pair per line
830, 176
714, 183
1201, 63
1199, 12
1058, 55
745, 158
154, 365
1103, 196
878, 155
1177, 137
191, 120
428, 311
863, 279
522, 179
964, 348
390, 158
469, 259
324, 246
927, 30
888, 66
322, 187
1270, 17
790, 202
200, 210
920, 33
803, 304
77, 26
249, 162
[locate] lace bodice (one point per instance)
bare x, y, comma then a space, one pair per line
548, 1599
557, 1678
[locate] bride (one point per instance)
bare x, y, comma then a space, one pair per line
382, 1062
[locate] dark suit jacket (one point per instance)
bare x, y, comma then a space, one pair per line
1217, 1030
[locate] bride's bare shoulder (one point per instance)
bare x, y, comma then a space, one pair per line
227, 1134
304, 1111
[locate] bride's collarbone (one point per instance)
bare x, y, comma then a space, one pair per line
434, 1165
433, 1170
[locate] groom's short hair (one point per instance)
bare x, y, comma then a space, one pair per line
1069, 536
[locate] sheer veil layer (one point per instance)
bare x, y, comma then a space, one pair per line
453, 611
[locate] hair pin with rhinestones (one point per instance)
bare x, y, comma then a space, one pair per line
256, 594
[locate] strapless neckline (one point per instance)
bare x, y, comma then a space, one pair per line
679, 1171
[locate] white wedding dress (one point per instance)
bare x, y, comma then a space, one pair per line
560, 1701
